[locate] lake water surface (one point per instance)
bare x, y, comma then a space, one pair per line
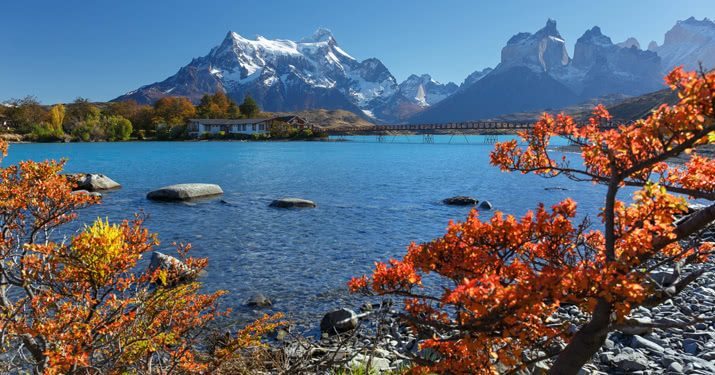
373, 200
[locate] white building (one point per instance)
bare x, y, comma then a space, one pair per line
247, 126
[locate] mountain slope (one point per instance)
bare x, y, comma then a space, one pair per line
688, 43
536, 73
513, 90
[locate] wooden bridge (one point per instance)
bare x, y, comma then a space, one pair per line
489, 129
432, 128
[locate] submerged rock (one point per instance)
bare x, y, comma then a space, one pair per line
292, 203
94, 182
183, 192
460, 200
91, 193
339, 321
259, 300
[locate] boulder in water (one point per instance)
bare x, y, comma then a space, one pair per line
184, 192
292, 203
259, 300
94, 182
485, 205
460, 201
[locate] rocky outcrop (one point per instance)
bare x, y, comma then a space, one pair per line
94, 182
184, 192
292, 203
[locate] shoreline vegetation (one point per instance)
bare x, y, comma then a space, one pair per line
27, 120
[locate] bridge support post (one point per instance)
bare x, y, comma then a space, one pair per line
428, 138
490, 139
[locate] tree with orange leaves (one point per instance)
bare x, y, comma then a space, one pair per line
504, 279
79, 305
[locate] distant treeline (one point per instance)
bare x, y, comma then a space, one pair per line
85, 121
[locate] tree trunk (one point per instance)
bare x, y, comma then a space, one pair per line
585, 342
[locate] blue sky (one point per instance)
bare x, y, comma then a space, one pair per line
59, 50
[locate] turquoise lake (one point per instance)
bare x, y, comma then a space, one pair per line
373, 200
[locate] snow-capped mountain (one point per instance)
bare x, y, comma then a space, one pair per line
600, 67
413, 95
282, 75
688, 43
424, 90
536, 73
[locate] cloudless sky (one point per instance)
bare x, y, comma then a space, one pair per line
59, 50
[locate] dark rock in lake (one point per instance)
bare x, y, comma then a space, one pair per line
292, 203
94, 182
184, 192
460, 201
485, 205
338, 321
259, 300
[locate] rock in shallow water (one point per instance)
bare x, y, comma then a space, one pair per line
183, 192
460, 201
94, 182
178, 270
259, 300
485, 205
292, 203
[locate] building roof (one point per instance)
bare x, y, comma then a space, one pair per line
221, 121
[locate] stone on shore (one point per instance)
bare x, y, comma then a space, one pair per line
184, 192
94, 182
292, 203
339, 321
460, 201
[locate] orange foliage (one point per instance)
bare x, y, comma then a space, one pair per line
503, 279
80, 306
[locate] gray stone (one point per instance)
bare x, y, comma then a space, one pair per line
690, 346
675, 367
630, 360
460, 201
259, 300
292, 203
94, 182
377, 364
640, 342
178, 271
184, 192
485, 205
638, 330
339, 321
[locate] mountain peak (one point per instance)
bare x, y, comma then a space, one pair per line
320, 35
594, 36
550, 28
630, 43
